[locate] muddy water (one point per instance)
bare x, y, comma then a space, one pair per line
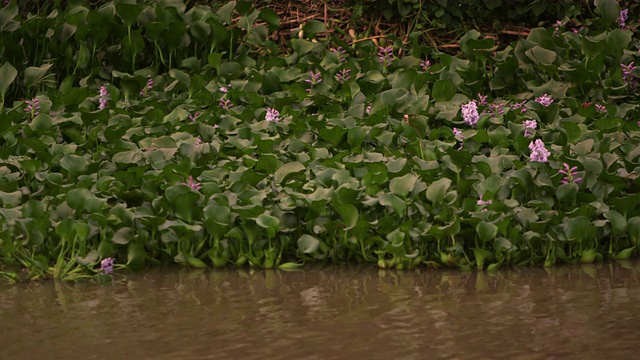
578, 312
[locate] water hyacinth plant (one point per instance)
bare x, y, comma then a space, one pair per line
470, 113
366, 166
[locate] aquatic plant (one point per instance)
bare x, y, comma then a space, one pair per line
213, 146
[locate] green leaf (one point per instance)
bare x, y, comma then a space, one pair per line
609, 10
287, 170
200, 30
403, 185
123, 236
579, 229
128, 12
573, 131
271, 223
225, 12
566, 193
270, 17
540, 55
460, 158
41, 123
625, 254
308, 244
356, 136
302, 46
92, 257
592, 46
312, 28
481, 256
82, 199
136, 256
588, 256
10, 198
349, 215
289, 266
75, 96
398, 205
443, 90
437, 190
74, 163
633, 228
195, 262
7, 14
617, 42
486, 231
35, 75
220, 214
618, 222
7, 75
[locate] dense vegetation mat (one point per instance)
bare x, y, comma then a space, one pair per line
135, 134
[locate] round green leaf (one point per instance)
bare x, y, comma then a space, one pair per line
486, 231
403, 185
437, 190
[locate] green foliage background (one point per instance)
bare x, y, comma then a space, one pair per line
365, 170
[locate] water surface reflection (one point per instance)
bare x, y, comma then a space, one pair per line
588, 311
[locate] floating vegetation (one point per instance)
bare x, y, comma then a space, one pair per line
137, 134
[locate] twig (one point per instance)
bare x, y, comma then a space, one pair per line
369, 38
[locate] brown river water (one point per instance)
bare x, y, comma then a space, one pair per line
332, 312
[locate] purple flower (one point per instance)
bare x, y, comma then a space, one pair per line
483, 99
224, 89
192, 184
623, 17
530, 127
470, 113
495, 109
425, 65
559, 24
343, 75
368, 109
106, 265
198, 141
484, 203
272, 115
519, 105
194, 116
33, 107
538, 151
569, 175
225, 104
627, 73
385, 55
601, 109
146, 89
316, 78
340, 53
458, 133
103, 97
545, 100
